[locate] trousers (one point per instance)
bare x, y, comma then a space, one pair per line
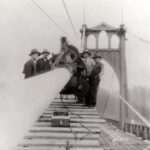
91, 96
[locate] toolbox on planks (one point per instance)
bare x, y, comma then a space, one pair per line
60, 119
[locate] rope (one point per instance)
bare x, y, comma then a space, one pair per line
48, 17
70, 20
76, 137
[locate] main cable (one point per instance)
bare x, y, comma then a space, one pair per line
69, 17
49, 18
139, 38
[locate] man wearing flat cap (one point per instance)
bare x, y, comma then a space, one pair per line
30, 68
43, 64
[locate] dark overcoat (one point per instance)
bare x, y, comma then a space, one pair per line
94, 83
43, 65
96, 71
29, 68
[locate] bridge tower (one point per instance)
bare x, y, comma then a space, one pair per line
115, 57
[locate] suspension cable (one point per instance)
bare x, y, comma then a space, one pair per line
122, 22
69, 17
84, 12
49, 18
139, 38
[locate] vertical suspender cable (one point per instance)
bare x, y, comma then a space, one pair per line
83, 38
69, 17
122, 12
84, 25
84, 16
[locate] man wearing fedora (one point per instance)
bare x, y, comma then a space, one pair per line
30, 68
43, 64
95, 79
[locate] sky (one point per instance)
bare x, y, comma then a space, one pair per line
23, 27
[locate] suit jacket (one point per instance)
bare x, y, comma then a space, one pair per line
96, 71
89, 63
29, 68
42, 65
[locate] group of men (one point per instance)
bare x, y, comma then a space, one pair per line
94, 69
37, 65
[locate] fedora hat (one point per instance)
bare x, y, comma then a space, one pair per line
96, 56
33, 51
45, 51
86, 52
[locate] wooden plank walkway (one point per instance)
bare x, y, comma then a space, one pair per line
87, 132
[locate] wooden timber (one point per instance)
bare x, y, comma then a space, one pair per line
87, 132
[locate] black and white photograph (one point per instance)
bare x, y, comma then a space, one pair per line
74, 75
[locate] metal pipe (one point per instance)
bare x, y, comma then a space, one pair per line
23, 102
